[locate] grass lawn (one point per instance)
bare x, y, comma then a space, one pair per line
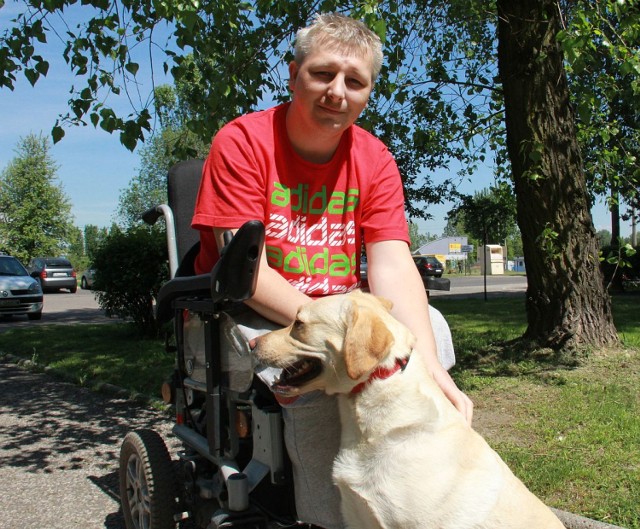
93, 354
570, 432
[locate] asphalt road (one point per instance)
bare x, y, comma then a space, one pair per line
474, 286
64, 308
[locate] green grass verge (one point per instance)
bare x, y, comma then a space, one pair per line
93, 354
570, 432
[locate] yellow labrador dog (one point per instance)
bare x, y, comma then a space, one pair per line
407, 457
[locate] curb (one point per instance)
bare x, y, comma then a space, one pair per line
573, 521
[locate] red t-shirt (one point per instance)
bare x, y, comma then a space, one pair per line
315, 215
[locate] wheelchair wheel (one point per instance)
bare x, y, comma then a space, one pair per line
147, 482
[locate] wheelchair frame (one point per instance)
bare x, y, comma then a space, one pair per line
232, 470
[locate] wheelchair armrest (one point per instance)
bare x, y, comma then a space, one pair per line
233, 278
437, 283
181, 287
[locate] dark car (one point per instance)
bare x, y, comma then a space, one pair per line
364, 271
54, 273
19, 292
428, 265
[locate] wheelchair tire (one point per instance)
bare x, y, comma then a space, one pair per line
148, 492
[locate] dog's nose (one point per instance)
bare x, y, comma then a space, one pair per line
254, 342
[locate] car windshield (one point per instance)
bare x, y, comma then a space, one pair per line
10, 266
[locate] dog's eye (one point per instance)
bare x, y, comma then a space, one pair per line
298, 324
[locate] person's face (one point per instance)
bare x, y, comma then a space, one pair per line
331, 88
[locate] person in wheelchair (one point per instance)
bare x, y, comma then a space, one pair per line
324, 188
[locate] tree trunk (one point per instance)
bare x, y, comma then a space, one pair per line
614, 209
567, 305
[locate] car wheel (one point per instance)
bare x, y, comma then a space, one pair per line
83, 284
438, 275
74, 289
35, 315
147, 482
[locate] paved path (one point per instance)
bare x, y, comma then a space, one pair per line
59, 449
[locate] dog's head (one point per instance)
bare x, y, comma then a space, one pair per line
334, 344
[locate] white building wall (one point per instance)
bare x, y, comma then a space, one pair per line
445, 249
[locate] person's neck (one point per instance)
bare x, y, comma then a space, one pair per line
314, 153
312, 145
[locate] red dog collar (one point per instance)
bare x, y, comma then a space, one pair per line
381, 373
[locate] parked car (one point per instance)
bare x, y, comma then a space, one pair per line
428, 265
86, 281
364, 270
53, 273
19, 292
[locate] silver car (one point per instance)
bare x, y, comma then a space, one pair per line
19, 292
86, 283
53, 273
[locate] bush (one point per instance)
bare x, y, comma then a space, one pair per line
617, 268
130, 267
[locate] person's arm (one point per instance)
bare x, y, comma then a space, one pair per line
275, 298
393, 275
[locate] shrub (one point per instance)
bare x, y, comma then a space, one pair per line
620, 264
130, 268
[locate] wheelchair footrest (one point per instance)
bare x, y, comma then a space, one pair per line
251, 519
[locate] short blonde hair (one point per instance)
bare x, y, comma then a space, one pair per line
339, 31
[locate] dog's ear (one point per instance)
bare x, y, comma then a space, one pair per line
367, 341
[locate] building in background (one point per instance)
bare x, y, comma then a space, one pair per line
453, 252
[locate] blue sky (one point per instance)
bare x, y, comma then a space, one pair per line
94, 167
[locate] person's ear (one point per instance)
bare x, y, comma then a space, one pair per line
293, 74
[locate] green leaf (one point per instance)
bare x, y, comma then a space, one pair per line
42, 67
31, 75
57, 133
132, 67
380, 28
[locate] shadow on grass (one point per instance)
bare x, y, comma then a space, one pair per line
488, 337
514, 357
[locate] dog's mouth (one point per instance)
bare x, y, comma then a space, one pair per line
298, 374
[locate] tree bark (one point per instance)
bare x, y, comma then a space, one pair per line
567, 304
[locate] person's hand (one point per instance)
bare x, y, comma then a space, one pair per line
462, 403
